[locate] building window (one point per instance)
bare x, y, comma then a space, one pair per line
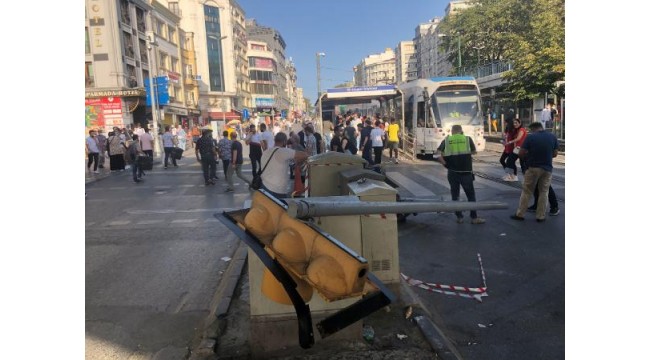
258, 47
87, 42
128, 45
131, 79
188, 72
161, 29
143, 51
124, 7
172, 34
139, 15
164, 61
90, 75
174, 64
214, 46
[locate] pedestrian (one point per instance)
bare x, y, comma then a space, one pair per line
236, 162
351, 134
103, 143
132, 152
205, 147
116, 149
168, 145
336, 143
224, 147
146, 142
514, 140
508, 148
92, 151
457, 151
552, 198
393, 134
547, 114
366, 142
311, 146
538, 151
254, 142
377, 135
329, 131
181, 136
196, 134
275, 178
266, 137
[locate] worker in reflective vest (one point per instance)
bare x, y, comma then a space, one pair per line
457, 150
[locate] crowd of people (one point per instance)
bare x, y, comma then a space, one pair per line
278, 159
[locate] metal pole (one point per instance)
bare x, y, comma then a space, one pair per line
153, 89
306, 208
318, 72
459, 60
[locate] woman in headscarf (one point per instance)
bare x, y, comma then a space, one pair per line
182, 137
116, 150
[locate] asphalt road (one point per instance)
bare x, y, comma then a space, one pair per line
153, 260
523, 316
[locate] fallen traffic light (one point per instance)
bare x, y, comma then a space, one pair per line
300, 258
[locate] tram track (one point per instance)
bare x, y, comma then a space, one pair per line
513, 184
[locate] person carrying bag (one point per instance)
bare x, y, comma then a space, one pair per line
256, 184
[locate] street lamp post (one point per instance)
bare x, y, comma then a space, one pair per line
153, 89
318, 56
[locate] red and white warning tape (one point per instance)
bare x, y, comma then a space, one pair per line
462, 291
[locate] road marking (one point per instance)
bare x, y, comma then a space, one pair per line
117, 188
411, 186
119, 222
90, 224
149, 222
210, 220
178, 221
186, 185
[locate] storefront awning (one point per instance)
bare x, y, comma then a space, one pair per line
218, 115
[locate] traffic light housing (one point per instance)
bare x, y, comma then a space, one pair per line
300, 258
311, 256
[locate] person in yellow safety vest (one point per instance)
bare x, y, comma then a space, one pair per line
456, 151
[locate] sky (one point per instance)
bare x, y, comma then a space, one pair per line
345, 30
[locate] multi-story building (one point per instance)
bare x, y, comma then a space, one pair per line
376, 69
117, 63
422, 49
276, 44
262, 68
404, 55
166, 39
219, 44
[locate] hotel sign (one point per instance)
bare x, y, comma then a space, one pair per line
105, 93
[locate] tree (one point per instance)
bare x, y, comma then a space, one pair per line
538, 54
528, 33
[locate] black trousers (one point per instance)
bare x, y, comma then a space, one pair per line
93, 157
378, 152
256, 159
466, 180
168, 154
209, 167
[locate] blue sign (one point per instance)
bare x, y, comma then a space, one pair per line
245, 114
362, 88
283, 114
162, 90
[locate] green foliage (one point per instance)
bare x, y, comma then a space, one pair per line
528, 33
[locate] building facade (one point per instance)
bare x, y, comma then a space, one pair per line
116, 63
376, 69
404, 56
276, 45
262, 68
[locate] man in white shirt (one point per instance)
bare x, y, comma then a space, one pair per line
266, 136
92, 150
275, 178
168, 144
146, 142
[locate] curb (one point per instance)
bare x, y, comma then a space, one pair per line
438, 341
213, 327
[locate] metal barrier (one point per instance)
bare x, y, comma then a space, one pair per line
407, 148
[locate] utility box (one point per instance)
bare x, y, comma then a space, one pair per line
379, 238
324, 169
355, 174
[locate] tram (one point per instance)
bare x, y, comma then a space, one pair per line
432, 106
